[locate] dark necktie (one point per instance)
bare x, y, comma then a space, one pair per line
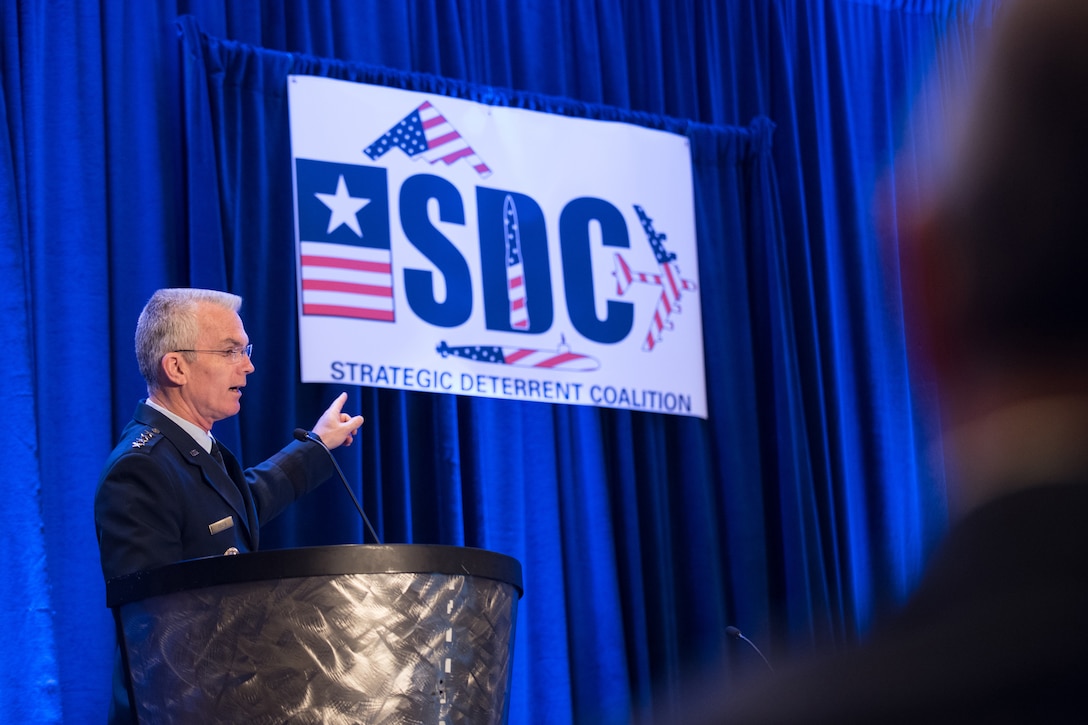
218, 454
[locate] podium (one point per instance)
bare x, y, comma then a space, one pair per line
353, 634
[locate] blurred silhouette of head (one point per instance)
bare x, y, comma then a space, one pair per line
1004, 248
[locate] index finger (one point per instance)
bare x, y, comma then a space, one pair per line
338, 404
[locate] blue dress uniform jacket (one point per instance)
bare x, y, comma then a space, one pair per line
162, 499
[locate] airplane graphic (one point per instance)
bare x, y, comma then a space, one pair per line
667, 277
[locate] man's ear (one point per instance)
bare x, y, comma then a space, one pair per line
175, 368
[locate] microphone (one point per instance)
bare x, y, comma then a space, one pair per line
309, 435
736, 634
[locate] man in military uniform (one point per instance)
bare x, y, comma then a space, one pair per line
169, 491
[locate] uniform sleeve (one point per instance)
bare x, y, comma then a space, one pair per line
137, 516
295, 470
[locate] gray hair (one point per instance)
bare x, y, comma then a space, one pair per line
169, 322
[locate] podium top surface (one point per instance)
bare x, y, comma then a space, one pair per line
313, 561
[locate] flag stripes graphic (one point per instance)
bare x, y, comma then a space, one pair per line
347, 281
515, 269
667, 277
524, 357
426, 133
659, 322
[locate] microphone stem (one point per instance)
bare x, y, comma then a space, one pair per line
737, 634
351, 493
753, 646
308, 435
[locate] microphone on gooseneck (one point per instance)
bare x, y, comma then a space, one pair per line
736, 634
308, 435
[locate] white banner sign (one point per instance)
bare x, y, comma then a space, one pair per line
455, 247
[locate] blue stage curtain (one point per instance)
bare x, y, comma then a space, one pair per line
29, 665
597, 495
139, 153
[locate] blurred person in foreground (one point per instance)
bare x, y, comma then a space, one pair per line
995, 285
169, 492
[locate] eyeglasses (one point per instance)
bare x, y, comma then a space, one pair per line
234, 354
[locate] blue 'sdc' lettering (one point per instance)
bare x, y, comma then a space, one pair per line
574, 224
534, 254
574, 242
418, 283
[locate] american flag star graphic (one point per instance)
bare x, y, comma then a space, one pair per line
345, 259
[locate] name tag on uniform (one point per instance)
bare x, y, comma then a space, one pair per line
221, 525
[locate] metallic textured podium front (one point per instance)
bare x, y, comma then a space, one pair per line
395, 635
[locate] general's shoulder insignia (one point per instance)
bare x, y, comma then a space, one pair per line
147, 435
